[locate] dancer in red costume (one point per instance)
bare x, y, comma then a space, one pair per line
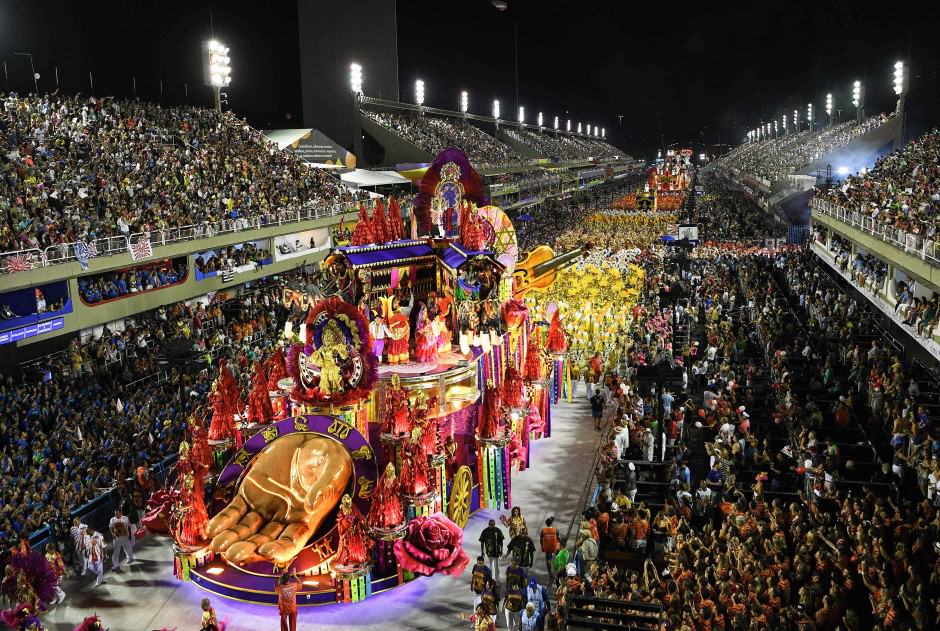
399, 334
200, 453
362, 233
379, 225
229, 386
396, 421
534, 367
259, 401
415, 469
396, 231
386, 511
186, 466
556, 336
223, 422
472, 234
355, 545
421, 418
194, 520
425, 337
489, 415
276, 368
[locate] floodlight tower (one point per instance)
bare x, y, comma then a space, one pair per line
540, 121
496, 113
464, 103
901, 79
521, 117
355, 84
809, 115
830, 107
858, 100
783, 119
556, 124
218, 69
796, 121
419, 96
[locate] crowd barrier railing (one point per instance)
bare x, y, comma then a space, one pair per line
910, 243
34, 258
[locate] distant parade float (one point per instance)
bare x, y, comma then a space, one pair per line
402, 401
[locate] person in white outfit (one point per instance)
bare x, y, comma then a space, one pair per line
78, 543
120, 527
94, 546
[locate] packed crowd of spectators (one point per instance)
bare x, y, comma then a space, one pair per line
561, 147
900, 190
81, 168
100, 414
139, 279
523, 180
774, 158
232, 256
436, 134
725, 212
793, 522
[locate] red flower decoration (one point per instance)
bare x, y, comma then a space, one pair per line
434, 544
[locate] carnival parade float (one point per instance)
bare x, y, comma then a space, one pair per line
403, 400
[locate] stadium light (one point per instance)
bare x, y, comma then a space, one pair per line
556, 123
701, 157
568, 126
521, 114
540, 120
809, 115
796, 120
579, 128
218, 69
899, 78
829, 104
464, 101
775, 129
496, 109
419, 92
783, 119
603, 132
858, 99
355, 78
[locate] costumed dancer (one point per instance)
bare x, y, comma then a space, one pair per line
425, 337
421, 418
94, 544
77, 531
222, 426
120, 527
185, 465
396, 420
355, 545
378, 329
386, 511
259, 400
556, 342
468, 320
362, 233
288, 584
415, 469
396, 230
194, 520
276, 369
229, 385
489, 427
399, 333
444, 335
200, 454
58, 566
379, 225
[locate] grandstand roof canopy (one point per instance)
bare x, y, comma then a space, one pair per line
364, 177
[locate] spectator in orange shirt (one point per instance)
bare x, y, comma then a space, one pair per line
287, 587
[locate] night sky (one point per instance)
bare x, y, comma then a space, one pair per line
690, 74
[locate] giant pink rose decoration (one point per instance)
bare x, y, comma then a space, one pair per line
434, 544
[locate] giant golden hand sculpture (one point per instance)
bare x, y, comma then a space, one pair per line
291, 487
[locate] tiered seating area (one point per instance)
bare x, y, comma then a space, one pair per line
775, 158
900, 191
436, 134
79, 169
